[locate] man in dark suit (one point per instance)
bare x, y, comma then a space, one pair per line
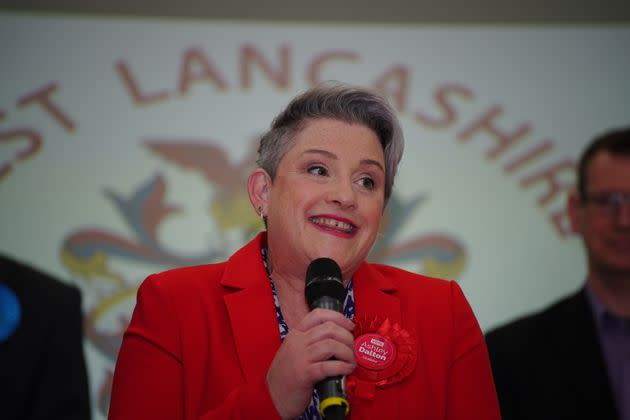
572, 360
42, 365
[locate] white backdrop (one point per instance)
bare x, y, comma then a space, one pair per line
124, 144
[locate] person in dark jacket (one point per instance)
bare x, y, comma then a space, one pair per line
572, 360
42, 365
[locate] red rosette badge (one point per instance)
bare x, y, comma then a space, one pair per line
385, 354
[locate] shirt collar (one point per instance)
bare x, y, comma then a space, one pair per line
599, 309
604, 317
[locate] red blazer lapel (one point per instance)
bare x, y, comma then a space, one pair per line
375, 298
374, 294
252, 314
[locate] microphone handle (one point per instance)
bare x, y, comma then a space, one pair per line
333, 401
335, 404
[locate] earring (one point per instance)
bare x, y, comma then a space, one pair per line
260, 213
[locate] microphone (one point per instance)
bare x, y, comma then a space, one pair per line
324, 289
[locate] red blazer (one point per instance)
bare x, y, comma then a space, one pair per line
202, 338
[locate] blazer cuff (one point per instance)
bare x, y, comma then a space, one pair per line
257, 402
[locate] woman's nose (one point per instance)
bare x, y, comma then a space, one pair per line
343, 194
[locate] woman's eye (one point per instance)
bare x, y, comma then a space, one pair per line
368, 183
317, 170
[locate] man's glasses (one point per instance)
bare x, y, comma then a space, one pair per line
609, 203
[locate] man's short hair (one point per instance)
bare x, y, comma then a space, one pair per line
615, 142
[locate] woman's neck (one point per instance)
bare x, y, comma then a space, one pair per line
290, 293
289, 287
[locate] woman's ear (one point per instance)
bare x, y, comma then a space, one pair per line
258, 188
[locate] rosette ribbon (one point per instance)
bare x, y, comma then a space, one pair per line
365, 379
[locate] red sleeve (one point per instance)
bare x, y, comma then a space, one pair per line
471, 392
149, 376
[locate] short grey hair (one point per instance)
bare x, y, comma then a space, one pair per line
341, 102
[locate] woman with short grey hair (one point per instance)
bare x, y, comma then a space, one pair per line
297, 324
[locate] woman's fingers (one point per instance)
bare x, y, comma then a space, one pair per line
324, 342
320, 316
318, 347
321, 370
330, 330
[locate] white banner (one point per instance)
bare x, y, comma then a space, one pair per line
125, 144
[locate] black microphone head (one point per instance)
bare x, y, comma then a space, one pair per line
323, 279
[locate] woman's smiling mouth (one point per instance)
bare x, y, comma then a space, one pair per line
333, 224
